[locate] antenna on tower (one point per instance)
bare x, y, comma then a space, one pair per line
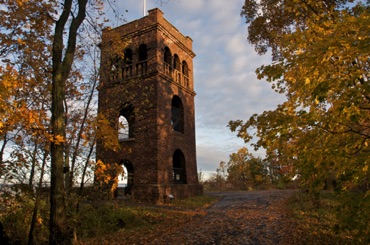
144, 8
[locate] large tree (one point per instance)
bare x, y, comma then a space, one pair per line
40, 78
244, 171
39, 43
71, 17
321, 54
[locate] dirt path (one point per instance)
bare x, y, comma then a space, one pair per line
257, 217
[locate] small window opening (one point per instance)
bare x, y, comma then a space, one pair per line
167, 56
143, 53
176, 62
141, 67
128, 57
167, 61
114, 68
127, 64
185, 68
185, 73
177, 69
177, 115
179, 170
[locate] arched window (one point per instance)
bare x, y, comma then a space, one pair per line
127, 64
167, 56
126, 122
128, 56
123, 128
185, 68
167, 61
143, 54
179, 170
177, 114
141, 67
176, 62
114, 68
177, 69
185, 73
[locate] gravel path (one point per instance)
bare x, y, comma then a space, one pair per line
257, 217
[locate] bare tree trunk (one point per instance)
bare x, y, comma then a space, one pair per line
66, 169
2, 150
67, 147
86, 164
59, 230
5, 140
79, 136
34, 160
38, 193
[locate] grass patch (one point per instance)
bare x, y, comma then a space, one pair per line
203, 201
106, 222
120, 223
109, 218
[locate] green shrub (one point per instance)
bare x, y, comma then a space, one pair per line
354, 215
338, 219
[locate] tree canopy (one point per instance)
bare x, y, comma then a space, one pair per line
320, 53
45, 97
246, 171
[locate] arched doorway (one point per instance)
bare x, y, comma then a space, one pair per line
126, 179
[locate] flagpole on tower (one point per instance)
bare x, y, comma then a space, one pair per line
144, 8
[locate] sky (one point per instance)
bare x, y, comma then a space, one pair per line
224, 70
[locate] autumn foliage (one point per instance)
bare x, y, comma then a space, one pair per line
49, 61
48, 79
321, 64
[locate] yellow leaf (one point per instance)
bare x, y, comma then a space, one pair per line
58, 139
20, 41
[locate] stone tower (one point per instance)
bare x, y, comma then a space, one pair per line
147, 94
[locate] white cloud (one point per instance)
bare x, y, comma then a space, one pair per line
188, 6
236, 45
192, 24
